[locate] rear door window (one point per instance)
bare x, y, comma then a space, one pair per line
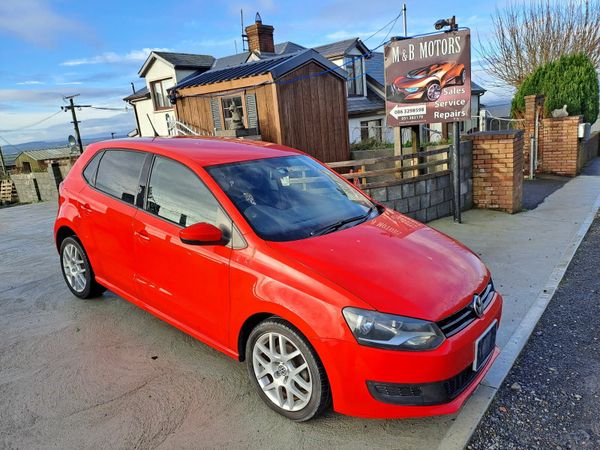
119, 172
176, 194
89, 173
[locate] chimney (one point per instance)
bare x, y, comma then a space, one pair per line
260, 37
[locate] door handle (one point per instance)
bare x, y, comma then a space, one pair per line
142, 235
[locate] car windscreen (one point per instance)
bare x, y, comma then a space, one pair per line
291, 198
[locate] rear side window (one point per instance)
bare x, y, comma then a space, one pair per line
89, 173
119, 172
175, 193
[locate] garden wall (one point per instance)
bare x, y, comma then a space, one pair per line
429, 197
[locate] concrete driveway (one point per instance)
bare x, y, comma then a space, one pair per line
105, 374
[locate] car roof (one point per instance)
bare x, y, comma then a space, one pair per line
203, 151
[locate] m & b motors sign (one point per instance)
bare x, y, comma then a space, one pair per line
428, 79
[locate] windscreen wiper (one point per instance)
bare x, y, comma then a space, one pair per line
341, 223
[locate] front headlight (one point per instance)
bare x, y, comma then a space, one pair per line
411, 90
381, 330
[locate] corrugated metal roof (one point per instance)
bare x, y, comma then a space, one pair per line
48, 153
277, 66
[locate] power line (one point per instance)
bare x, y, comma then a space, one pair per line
32, 124
385, 26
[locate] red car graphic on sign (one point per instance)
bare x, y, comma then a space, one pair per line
426, 83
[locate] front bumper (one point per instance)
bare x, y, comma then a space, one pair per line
442, 374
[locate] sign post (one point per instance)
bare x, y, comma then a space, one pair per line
428, 80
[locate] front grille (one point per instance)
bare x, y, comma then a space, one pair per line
464, 317
425, 394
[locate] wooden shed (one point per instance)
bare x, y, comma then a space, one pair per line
297, 99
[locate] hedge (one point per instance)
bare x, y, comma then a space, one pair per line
571, 80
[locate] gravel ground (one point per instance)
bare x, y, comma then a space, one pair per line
551, 397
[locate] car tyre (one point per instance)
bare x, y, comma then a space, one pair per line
286, 371
77, 270
460, 79
433, 91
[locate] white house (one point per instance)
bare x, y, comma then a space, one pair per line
161, 71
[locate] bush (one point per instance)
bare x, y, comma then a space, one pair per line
570, 80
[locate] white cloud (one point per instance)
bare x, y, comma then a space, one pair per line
38, 97
30, 82
134, 56
93, 123
35, 21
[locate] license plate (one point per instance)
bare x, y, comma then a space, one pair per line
484, 346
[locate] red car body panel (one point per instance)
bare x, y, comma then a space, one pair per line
391, 263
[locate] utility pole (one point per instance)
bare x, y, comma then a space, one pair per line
404, 19
75, 122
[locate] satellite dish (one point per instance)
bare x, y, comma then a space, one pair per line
73, 145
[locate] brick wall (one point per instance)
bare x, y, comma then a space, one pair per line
498, 170
559, 146
429, 197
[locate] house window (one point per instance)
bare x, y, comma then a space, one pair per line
160, 95
233, 113
371, 130
354, 67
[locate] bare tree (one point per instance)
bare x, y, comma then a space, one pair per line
527, 35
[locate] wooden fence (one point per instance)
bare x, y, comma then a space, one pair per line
404, 168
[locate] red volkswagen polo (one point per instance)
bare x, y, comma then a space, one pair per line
265, 254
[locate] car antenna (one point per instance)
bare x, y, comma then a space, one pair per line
152, 125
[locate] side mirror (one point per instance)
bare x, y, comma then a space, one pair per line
201, 234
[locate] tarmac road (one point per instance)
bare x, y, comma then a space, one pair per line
551, 397
105, 374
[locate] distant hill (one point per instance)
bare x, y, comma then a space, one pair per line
38, 145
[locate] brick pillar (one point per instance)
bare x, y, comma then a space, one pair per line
533, 103
561, 145
498, 169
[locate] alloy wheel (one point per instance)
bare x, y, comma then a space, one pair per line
74, 268
282, 371
433, 92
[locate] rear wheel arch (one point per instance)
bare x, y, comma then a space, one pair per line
62, 233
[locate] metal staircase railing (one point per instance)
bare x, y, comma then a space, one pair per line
179, 128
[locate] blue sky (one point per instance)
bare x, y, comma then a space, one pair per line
52, 48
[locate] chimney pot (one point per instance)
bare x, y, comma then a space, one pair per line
260, 37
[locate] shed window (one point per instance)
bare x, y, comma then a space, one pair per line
354, 67
233, 112
160, 96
